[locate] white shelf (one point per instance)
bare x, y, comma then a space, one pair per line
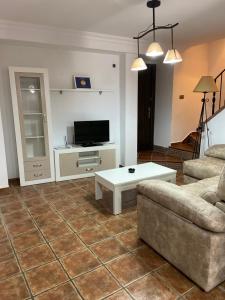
88, 157
35, 137
29, 89
100, 91
33, 114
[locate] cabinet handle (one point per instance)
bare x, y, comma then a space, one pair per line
37, 165
38, 175
100, 161
77, 164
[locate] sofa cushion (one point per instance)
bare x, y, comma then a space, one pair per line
217, 151
221, 186
206, 189
203, 167
184, 204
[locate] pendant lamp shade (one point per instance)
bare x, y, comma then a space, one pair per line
138, 65
154, 50
172, 57
206, 85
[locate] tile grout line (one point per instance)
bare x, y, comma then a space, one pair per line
57, 259
89, 248
17, 259
130, 251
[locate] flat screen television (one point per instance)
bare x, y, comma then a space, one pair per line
89, 133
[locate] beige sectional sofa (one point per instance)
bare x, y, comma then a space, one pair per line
186, 224
208, 166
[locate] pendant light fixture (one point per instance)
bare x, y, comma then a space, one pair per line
154, 49
138, 64
173, 56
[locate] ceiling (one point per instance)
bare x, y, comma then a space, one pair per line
200, 21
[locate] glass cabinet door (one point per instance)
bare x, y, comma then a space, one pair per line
32, 115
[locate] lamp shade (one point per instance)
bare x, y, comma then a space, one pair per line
206, 85
138, 65
172, 57
154, 50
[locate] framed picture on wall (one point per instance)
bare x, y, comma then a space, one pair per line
81, 82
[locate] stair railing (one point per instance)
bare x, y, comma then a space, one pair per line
219, 82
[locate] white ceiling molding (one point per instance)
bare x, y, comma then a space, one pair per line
24, 32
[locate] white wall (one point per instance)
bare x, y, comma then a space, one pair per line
216, 131
186, 112
66, 108
3, 173
163, 105
131, 91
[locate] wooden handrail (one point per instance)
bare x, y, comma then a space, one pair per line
221, 105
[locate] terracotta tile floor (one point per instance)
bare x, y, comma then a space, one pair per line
58, 243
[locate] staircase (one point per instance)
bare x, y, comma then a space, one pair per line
186, 147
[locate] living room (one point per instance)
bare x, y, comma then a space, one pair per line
86, 211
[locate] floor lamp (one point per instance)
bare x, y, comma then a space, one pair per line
205, 85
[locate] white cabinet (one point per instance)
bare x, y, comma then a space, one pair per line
80, 162
32, 119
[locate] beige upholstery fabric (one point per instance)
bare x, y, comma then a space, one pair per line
202, 168
189, 179
217, 151
221, 205
198, 253
185, 204
221, 186
206, 189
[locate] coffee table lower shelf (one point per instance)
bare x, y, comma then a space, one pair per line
117, 189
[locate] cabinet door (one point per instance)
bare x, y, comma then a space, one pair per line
108, 159
32, 115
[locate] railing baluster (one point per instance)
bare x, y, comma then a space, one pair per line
221, 85
213, 103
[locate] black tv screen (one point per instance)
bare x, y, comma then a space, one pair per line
91, 132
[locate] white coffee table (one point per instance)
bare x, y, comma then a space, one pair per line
119, 180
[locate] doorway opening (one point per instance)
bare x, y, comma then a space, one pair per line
146, 109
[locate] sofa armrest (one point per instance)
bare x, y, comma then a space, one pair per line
185, 204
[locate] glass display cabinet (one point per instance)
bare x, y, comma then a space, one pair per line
31, 108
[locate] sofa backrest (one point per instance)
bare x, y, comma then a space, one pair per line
217, 151
185, 204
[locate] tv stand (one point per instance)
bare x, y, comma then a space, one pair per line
91, 145
79, 162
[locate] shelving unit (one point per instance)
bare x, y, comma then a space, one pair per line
32, 119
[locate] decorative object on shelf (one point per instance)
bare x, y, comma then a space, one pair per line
205, 85
155, 50
82, 82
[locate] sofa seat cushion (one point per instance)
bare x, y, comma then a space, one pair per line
217, 151
221, 186
184, 204
202, 168
205, 188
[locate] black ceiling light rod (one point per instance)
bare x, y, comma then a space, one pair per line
153, 30
154, 4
